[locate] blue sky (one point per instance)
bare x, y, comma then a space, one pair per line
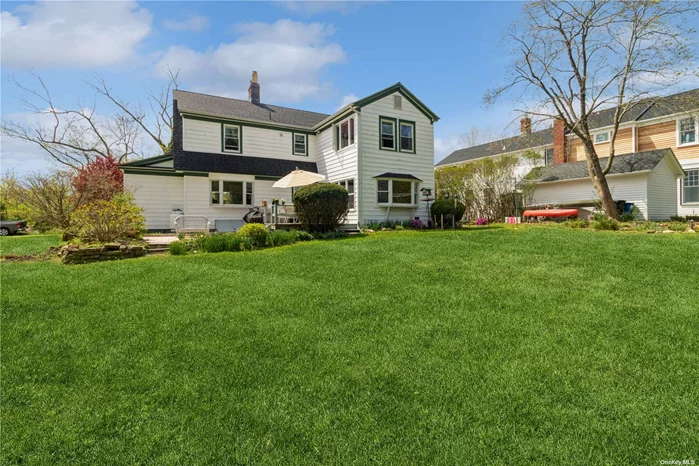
312, 56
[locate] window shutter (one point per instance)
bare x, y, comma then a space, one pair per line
336, 138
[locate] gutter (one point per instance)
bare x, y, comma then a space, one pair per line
641, 172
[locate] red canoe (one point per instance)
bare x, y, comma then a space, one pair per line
551, 213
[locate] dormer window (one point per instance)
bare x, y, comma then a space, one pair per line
231, 138
601, 138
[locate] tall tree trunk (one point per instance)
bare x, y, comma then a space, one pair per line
599, 181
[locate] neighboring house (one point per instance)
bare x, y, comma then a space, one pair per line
227, 154
670, 122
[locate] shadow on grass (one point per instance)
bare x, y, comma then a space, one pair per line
481, 227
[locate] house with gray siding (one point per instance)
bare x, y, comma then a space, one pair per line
227, 154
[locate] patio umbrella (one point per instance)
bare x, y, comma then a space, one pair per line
298, 178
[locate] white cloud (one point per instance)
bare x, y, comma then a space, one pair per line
65, 34
347, 99
289, 56
446, 145
318, 7
193, 23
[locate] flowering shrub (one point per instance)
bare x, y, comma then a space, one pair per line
100, 179
104, 221
481, 221
417, 224
257, 233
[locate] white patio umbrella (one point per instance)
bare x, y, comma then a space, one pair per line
298, 178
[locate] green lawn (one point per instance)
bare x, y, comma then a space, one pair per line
22, 245
495, 346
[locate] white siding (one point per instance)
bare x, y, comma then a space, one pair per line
340, 165
157, 195
631, 188
205, 136
375, 161
687, 209
166, 164
662, 192
263, 190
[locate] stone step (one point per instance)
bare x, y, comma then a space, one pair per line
158, 250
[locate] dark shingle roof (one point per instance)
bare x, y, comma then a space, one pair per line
400, 176
626, 163
516, 143
644, 110
234, 108
225, 163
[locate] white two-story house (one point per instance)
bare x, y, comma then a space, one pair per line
227, 154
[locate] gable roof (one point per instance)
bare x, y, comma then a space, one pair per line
224, 107
646, 109
622, 164
204, 104
503, 146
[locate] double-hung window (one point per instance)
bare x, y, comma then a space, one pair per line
407, 136
690, 187
397, 192
687, 131
388, 133
602, 137
344, 134
548, 157
300, 144
233, 193
231, 138
349, 186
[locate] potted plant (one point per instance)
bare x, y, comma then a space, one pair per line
263, 203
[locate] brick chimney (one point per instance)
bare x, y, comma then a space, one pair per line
254, 90
559, 142
525, 126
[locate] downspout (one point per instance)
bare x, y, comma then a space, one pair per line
634, 143
358, 184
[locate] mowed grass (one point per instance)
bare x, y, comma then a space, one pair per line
494, 346
22, 245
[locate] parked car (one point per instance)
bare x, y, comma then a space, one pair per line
12, 227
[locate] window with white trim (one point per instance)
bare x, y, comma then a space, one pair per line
233, 193
300, 144
602, 137
344, 134
687, 131
407, 136
388, 134
548, 157
349, 186
690, 187
397, 192
231, 138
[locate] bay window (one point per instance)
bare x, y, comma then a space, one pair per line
233, 193
687, 131
690, 187
397, 192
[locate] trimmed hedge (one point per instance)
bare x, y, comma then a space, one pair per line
321, 207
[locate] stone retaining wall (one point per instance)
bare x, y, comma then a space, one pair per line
75, 255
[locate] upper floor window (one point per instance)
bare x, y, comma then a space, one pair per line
234, 193
388, 133
602, 137
690, 187
397, 102
687, 131
349, 186
231, 138
344, 134
300, 144
548, 157
407, 136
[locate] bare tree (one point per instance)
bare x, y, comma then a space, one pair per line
77, 136
576, 58
476, 136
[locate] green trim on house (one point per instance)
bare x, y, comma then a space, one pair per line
148, 161
242, 123
414, 136
293, 144
153, 172
395, 130
201, 174
398, 87
344, 115
223, 139
267, 178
